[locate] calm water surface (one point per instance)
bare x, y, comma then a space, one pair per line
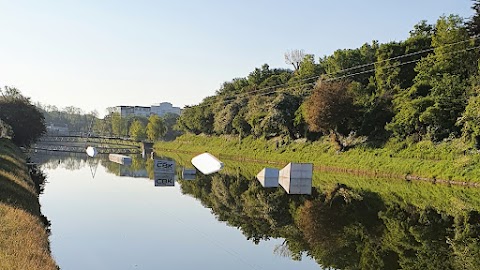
104, 221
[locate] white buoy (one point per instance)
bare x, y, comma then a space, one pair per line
207, 163
91, 151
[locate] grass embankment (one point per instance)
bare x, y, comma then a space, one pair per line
23, 237
447, 161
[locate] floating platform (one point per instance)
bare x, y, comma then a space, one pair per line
120, 159
189, 174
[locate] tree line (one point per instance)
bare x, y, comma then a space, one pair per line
113, 124
139, 128
426, 88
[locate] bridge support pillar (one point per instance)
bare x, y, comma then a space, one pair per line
147, 149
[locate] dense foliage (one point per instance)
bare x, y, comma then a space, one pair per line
76, 122
343, 228
5, 130
137, 127
425, 88
72, 118
19, 119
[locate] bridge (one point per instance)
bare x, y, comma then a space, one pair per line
89, 139
78, 144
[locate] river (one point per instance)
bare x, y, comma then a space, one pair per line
109, 216
100, 220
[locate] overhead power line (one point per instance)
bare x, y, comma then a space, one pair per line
236, 95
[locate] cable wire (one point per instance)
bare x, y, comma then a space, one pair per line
366, 65
228, 99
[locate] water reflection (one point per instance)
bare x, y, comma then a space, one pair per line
344, 228
65, 160
340, 227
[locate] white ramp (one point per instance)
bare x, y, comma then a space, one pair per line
207, 163
120, 159
268, 177
296, 178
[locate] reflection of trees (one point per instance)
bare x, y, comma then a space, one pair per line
343, 228
242, 203
72, 164
149, 168
138, 164
111, 167
69, 161
466, 242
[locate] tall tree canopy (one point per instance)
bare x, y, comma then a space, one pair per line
330, 108
422, 88
155, 128
26, 121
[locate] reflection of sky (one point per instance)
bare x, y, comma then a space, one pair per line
112, 222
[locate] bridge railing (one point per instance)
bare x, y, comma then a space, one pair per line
79, 149
92, 139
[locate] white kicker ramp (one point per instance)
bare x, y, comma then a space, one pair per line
207, 163
296, 178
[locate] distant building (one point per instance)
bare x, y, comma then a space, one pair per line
160, 110
164, 108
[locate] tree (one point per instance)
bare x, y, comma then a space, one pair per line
351, 61
294, 58
170, 120
198, 119
280, 118
330, 108
438, 97
305, 76
103, 126
223, 120
155, 128
26, 121
241, 125
470, 120
5, 130
473, 24
137, 130
119, 124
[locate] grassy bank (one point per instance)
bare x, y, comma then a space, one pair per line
23, 237
449, 199
447, 161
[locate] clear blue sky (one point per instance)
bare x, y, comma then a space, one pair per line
95, 54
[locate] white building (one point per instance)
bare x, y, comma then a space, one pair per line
133, 110
164, 108
160, 110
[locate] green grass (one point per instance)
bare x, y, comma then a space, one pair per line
23, 237
452, 160
449, 199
